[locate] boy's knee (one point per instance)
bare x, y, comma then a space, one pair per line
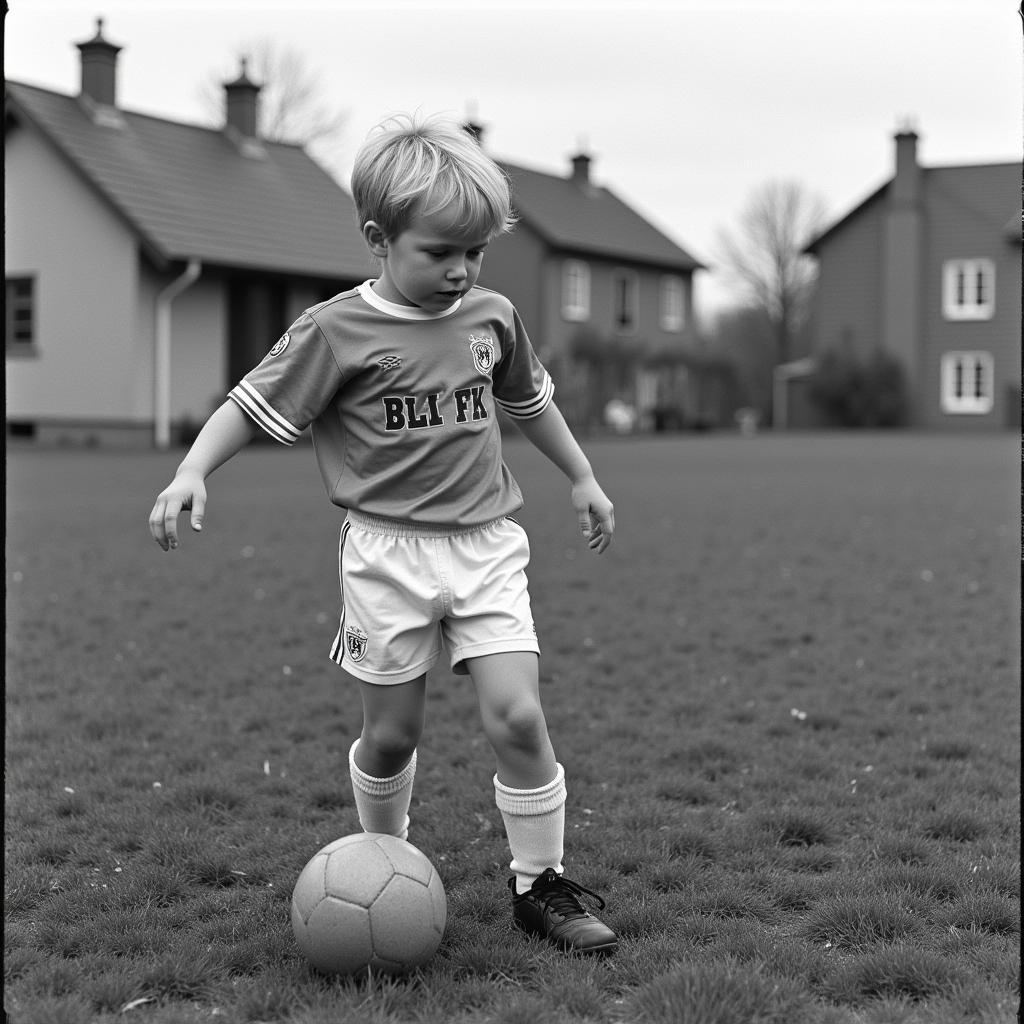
520, 724
390, 741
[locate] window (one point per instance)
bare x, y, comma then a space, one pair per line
673, 308
968, 289
624, 286
967, 381
575, 290
19, 318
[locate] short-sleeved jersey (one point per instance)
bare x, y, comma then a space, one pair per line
401, 402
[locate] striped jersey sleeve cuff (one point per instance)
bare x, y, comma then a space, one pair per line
257, 407
532, 406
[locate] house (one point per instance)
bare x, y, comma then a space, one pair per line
926, 270
149, 263
607, 299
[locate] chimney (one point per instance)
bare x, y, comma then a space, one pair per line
99, 68
242, 95
581, 169
901, 313
906, 183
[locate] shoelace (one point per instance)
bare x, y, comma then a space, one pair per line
562, 894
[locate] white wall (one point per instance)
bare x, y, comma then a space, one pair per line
198, 346
86, 275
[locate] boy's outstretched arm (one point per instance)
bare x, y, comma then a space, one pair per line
550, 434
225, 433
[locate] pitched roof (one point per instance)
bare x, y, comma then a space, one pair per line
592, 220
188, 192
990, 191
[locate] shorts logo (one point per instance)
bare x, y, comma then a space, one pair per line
483, 353
355, 643
389, 363
280, 345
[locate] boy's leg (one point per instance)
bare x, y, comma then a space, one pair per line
529, 790
529, 787
382, 762
508, 689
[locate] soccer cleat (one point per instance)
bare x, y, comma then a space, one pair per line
551, 908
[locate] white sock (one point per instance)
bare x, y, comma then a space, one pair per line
382, 804
535, 826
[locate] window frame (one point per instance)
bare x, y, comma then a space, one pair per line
959, 278
672, 303
967, 383
575, 290
13, 304
629, 280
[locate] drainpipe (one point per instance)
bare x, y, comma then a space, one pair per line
162, 353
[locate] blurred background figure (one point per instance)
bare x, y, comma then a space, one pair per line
620, 416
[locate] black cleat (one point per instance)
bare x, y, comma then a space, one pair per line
552, 909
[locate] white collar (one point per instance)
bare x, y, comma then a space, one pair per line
402, 312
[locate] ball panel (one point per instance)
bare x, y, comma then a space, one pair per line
309, 887
406, 858
392, 967
438, 902
402, 923
357, 872
336, 938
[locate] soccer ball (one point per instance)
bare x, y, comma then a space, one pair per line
368, 900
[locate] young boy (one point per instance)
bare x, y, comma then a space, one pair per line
399, 379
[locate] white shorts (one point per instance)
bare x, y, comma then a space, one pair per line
408, 590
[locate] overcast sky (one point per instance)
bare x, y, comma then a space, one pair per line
685, 106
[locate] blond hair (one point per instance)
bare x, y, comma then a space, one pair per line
411, 166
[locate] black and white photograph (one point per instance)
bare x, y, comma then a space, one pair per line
513, 511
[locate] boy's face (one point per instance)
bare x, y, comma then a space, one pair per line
429, 265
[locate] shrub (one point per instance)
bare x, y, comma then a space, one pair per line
854, 391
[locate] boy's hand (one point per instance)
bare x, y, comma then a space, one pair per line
595, 512
187, 491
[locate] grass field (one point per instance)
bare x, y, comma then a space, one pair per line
787, 701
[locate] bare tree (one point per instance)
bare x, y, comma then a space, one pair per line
744, 336
292, 107
765, 254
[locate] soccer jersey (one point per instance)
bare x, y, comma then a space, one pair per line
401, 402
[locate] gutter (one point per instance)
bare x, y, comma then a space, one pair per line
162, 353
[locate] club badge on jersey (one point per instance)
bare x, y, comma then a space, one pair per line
280, 345
483, 353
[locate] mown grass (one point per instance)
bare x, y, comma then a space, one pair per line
787, 702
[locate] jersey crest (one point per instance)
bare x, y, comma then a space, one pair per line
482, 348
280, 345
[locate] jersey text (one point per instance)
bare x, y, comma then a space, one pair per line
413, 412
400, 413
